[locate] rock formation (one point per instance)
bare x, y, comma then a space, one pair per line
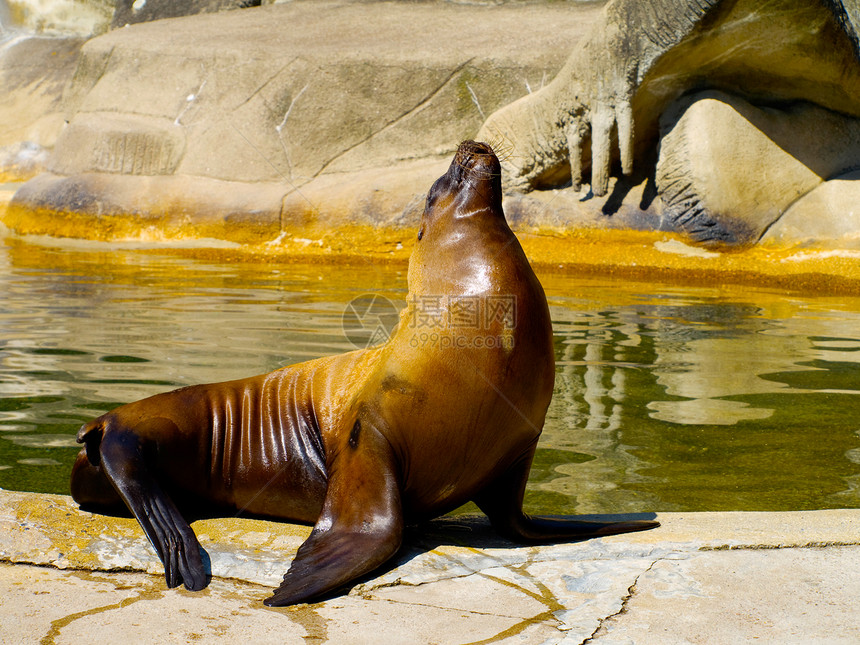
717, 119
727, 170
326, 112
33, 73
623, 89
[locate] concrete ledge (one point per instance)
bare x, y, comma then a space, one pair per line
724, 577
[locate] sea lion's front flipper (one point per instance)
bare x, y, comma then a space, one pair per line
123, 459
361, 524
502, 501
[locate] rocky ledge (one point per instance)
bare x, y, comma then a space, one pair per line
714, 577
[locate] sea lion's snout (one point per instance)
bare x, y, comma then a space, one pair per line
472, 183
475, 176
474, 171
476, 158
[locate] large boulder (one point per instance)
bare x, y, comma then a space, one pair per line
828, 215
600, 116
727, 170
306, 100
330, 113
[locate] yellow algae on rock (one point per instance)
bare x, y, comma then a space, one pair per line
51, 530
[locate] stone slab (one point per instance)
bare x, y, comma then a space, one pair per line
775, 596
292, 91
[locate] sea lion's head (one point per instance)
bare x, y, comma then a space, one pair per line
471, 186
463, 229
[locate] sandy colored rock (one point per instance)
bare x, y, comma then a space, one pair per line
347, 105
829, 215
313, 96
296, 90
33, 73
639, 57
600, 115
727, 169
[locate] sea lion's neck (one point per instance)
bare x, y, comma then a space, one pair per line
460, 256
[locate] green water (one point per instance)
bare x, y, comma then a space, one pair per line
667, 398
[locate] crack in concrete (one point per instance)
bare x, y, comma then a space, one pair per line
502, 563
429, 97
774, 547
631, 590
475, 612
366, 593
545, 597
625, 601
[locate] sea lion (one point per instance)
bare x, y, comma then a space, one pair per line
448, 410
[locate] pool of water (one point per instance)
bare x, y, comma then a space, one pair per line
667, 398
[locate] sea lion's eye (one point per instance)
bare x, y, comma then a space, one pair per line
420, 234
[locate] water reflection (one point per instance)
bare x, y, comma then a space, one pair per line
702, 399
666, 398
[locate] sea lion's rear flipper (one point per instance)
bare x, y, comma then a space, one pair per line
123, 459
502, 501
361, 524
